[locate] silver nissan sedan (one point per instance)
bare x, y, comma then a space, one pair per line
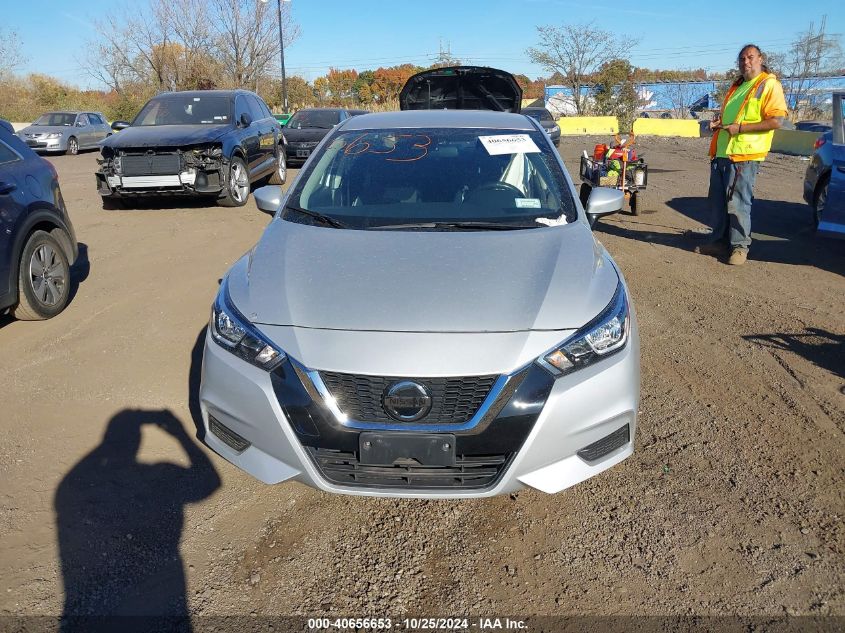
428, 314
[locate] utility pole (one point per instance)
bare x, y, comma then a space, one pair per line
282, 57
281, 52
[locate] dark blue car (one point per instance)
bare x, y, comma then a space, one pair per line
212, 143
824, 182
37, 240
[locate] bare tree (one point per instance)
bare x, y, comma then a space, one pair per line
682, 95
576, 51
184, 44
813, 54
247, 38
130, 48
11, 55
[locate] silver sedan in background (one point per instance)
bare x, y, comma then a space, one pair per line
67, 131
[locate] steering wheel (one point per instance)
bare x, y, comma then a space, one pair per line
491, 187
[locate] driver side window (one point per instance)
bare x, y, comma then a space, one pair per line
241, 107
82, 120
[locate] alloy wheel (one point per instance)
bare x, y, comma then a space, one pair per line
283, 168
47, 275
239, 183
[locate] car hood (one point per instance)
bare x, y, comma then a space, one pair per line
552, 278
462, 88
305, 134
46, 129
165, 135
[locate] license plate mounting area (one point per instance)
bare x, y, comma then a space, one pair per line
397, 448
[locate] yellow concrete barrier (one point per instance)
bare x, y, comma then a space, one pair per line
588, 125
794, 142
666, 127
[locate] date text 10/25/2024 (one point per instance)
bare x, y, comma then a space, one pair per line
417, 624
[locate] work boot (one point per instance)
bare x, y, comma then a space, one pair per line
738, 256
711, 248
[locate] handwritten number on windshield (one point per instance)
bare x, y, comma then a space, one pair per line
410, 147
421, 148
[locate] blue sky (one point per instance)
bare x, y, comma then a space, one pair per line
366, 34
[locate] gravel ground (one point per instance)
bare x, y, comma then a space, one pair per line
732, 503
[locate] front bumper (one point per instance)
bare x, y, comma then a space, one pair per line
536, 436
165, 172
299, 152
555, 135
192, 183
46, 145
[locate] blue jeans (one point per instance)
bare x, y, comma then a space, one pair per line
731, 194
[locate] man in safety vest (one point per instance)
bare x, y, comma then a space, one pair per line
751, 111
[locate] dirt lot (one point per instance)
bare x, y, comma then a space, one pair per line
731, 504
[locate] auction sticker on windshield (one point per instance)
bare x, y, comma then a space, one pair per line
509, 144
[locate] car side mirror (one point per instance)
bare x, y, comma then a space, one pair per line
604, 201
80, 124
268, 198
245, 119
117, 126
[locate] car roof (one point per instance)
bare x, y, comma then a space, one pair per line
322, 110
485, 119
204, 93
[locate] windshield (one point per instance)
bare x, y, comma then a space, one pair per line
433, 179
186, 110
56, 118
324, 119
539, 115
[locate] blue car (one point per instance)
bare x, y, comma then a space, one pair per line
201, 143
824, 182
37, 240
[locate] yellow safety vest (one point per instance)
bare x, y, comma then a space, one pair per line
751, 145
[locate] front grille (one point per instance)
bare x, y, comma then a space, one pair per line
150, 164
469, 471
605, 445
454, 400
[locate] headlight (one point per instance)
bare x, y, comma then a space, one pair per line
602, 336
231, 330
54, 135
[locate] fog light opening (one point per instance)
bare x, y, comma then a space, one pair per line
227, 435
606, 445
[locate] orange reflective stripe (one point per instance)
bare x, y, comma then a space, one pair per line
751, 91
757, 84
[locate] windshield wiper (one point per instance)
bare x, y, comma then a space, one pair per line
323, 219
480, 226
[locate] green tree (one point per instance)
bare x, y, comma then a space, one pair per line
577, 51
363, 87
614, 92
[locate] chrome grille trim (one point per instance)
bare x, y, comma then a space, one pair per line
476, 423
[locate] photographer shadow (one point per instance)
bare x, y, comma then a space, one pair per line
119, 525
